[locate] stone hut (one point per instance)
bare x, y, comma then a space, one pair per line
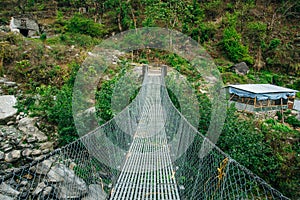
24, 25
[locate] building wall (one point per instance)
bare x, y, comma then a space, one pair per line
251, 108
297, 105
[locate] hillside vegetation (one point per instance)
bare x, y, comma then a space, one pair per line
263, 33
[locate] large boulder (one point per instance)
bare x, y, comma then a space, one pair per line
3, 197
13, 156
240, 68
43, 167
8, 190
40, 187
7, 110
95, 192
68, 185
1, 155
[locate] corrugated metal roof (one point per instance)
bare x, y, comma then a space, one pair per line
262, 88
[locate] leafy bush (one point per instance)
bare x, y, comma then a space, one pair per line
274, 43
82, 25
233, 48
295, 85
206, 30
292, 120
267, 150
257, 30
61, 114
233, 78
230, 20
43, 37
279, 115
104, 98
281, 127
55, 106
213, 8
241, 141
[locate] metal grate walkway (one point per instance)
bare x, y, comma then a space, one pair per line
148, 172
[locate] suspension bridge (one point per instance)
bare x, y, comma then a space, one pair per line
148, 151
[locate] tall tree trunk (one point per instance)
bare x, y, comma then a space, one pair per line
120, 17
134, 19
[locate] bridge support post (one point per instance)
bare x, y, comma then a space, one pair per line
164, 70
145, 70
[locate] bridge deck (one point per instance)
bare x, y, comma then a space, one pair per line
148, 172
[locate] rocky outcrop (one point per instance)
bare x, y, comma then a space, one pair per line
59, 182
70, 185
13, 156
56, 181
95, 192
4, 197
18, 147
240, 68
27, 125
42, 168
7, 108
6, 189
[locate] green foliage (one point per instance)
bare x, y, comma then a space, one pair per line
182, 66
240, 140
293, 121
166, 13
274, 43
233, 48
296, 86
205, 113
262, 150
283, 141
82, 25
266, 77
22, 66
281, 127
279, 115
148, 22
61, 114
174, 99
3, 20
230, 20
212, 8
203, 32
43, 37
55, 105
60, 18
233, 78
104, 97
257, 30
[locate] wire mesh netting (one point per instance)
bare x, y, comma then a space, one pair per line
148, 151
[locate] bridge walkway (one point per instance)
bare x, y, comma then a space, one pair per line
148, 172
